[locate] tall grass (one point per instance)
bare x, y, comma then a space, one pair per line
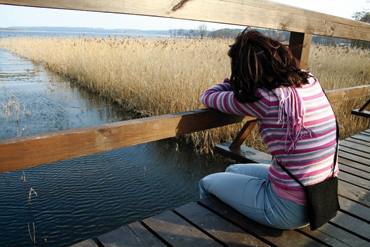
153, 77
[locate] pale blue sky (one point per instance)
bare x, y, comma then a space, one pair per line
11, 16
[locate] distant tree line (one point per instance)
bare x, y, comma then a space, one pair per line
283, 36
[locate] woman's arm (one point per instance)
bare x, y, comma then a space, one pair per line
222, 98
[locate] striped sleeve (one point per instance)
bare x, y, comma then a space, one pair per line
222, 98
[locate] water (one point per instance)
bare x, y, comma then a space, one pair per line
80, 32
81, 198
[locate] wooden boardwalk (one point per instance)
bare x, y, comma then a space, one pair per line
212, 223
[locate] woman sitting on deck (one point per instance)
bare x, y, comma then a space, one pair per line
296, 123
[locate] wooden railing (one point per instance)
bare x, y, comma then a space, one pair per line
32, 151
240, 12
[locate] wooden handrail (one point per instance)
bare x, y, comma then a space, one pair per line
253, 13
334, 95
27, 152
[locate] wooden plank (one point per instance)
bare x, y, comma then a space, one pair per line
243, 134
353, 171
272, 235
354, 208
356, 146
146, 237
365, 143
361, 137
363, 113
338, 95
335, 236
251, 13
365, 133
355, 152
299, 44
31, 151
361, 182
216, 226
244, 154
178, 232
354, 164
27, 152
85, 243
354, 193
353, 225
125, 236
355, 158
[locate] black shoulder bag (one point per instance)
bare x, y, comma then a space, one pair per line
321, 199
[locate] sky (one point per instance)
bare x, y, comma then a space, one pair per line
11, 16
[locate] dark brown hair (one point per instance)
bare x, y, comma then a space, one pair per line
258, 61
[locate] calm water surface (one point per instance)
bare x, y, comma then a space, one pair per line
80, 198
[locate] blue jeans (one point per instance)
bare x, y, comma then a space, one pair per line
246, 188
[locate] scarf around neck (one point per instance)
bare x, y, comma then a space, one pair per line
291, 113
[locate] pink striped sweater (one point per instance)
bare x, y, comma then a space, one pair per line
296, 124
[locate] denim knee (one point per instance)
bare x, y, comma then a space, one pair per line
232, 168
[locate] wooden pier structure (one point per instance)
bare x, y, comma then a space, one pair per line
210, 222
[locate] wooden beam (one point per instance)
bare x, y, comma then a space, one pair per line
243, 134
27, 152
299, 44
338, 95
263, 14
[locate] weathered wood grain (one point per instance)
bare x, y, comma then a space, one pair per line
178, 232
274, 236
354, 164
146, 237
356, 146
355, 158
335, 236
352, 224
341, 94
361, 137
126, 237
354, 171
218, 227
244, 154
355, 152
85, 243
355, 208
31, 151
252, 13
354, 193
362, 142
358, 181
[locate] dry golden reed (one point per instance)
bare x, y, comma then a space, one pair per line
161, 76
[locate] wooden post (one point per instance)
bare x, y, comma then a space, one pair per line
300, 43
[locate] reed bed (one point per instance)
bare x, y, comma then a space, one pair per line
152, 77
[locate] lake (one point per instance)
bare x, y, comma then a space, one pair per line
65, 202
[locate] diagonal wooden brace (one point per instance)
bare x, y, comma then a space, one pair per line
364, 106
243, 134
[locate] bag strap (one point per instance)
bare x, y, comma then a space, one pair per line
335, 154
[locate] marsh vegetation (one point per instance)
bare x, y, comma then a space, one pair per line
158, 76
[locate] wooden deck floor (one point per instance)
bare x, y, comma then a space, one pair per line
212, 223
